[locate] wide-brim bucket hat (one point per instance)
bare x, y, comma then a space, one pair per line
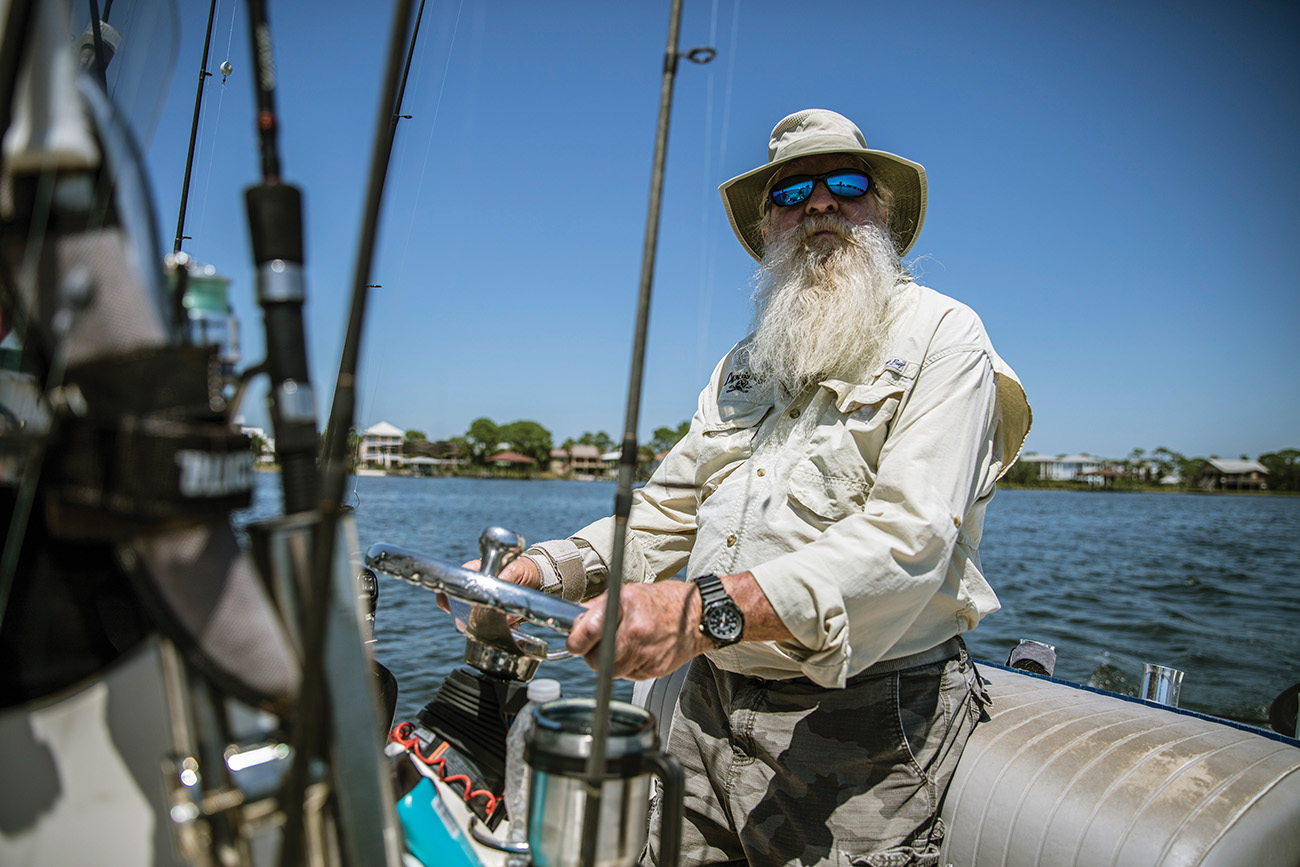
821, 131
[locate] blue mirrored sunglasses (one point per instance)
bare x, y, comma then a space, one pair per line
847, 183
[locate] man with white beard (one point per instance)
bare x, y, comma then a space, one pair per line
835, 476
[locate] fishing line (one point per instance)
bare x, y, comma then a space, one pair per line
230, 39
708, 247
377, 377
221, 98
212, 153
437, 108
705, 308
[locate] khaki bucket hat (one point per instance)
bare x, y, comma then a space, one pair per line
820, 131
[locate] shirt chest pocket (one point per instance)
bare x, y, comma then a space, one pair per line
728, 441
835, 475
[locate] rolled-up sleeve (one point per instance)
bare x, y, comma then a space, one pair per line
661, 525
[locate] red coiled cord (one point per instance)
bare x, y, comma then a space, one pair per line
404, 734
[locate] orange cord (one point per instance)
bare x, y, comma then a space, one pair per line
404, 734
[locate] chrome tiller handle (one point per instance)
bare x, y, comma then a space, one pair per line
473, 587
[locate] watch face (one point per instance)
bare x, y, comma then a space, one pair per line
725, 622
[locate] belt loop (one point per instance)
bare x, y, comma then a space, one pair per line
978, 690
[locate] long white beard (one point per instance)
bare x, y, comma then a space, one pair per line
822, 303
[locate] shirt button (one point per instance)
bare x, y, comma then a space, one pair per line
762, 472
794, 413
731, 540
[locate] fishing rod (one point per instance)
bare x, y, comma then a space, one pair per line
595, 766
343, 410
181, 263
194, 131
315, 718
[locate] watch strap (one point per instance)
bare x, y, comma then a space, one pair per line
714, 595
711, 590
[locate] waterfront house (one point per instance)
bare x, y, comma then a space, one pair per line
381, 446
1223, 475
509, 460
1069, 468
578, 460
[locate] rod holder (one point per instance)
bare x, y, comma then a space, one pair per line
1161, 684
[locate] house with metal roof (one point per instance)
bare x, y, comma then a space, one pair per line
1218, 474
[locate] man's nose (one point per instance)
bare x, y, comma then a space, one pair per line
821, 200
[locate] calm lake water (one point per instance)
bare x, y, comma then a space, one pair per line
1209, 584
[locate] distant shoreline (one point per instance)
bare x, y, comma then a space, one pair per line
1004, 486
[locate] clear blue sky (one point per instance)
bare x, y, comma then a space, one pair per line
1114, 187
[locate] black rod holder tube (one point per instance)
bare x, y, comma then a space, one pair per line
275, 222
194, 132
595, 768
275, 226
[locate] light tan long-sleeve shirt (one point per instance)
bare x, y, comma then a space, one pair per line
857, 506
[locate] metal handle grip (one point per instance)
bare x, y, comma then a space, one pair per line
473, 587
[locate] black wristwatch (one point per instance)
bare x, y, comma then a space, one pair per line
720, 618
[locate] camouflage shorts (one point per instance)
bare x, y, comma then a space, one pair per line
786, 772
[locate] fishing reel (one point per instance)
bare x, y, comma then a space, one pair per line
483, 604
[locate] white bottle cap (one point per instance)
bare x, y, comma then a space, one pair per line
543, 689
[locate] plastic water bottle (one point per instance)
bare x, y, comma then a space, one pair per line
542, 690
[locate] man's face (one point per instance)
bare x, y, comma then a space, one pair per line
859, 211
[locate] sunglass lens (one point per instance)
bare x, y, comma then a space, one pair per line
792, 191
850, 185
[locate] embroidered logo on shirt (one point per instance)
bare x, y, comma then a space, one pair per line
897, 365
739, 380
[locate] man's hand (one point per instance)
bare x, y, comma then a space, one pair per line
521, 571
659, 630
657, 633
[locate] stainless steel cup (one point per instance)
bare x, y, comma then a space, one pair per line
557, 752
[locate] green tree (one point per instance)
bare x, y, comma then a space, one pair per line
461, 448
417, 445
665, 437
483, 436
1283, 469
1166, 461
452, 448
1022, 473
1189, 470
1136, 465
260, 446
600, 440
528, 438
